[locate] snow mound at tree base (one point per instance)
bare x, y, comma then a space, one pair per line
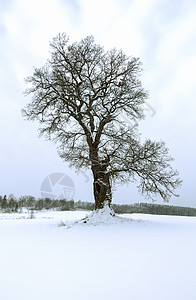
104, 216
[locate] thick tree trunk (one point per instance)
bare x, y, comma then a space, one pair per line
101, 184
102, 192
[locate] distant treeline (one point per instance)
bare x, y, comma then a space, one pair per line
12, 204
155, 209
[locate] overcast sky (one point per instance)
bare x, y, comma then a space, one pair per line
161, 32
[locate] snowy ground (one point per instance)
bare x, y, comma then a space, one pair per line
148, 258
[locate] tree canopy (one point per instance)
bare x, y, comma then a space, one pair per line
79, 98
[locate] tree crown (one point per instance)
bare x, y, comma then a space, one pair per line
79, 98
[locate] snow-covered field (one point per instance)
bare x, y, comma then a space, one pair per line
147, 258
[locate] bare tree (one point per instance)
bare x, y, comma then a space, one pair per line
78, 98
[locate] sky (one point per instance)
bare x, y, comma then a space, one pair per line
162, 33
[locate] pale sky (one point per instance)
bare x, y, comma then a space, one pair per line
162, 33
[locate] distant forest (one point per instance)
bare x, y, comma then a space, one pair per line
12, 204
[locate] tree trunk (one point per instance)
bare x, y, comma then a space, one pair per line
101, 184
102, 192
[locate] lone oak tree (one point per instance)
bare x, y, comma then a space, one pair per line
78, 98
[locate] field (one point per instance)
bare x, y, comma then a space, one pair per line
139, 257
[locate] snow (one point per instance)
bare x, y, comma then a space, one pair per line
139, 257
105, 216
